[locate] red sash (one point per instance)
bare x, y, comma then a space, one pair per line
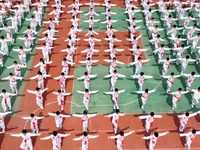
9, 33
177, 99
190, 81
62, 102
34, 125
122, 141
6, 100
25, 141
61, 83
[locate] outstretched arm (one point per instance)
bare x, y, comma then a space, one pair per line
129, 133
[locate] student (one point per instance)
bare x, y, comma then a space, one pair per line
30, 33
91, 32
6, 99
153, 139
27, 41
27, 142
115, 95
113, 64
22, 54
34, 122
65, 66
195, 42
59, 118
13, 83
196, 96
166, 65
89, 52
170, 80
40, 77
86, 97
174, 31
33, 21
109, 22
110, 32
17, 68
8, 31
184, 119
156, 41
87, 78
115, 119
2, 123
56, 139
184, 62
62, 81
138, 65
141, 79
92, 41
84, 119
43, 66
4, 45
176, 96
134, 41
120, 138
112, 41
137, 52
46, 50
88, 63
39, 98
60, 97
114, 76
191, 32
113, 51
190, 137
161, 51
149, 120
85, 139
190, 80
145, 95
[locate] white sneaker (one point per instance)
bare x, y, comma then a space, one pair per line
142, 107
192, 105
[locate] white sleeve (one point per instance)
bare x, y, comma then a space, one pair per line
129, 133
47, 137
144, 117
79, 138
163, 134
51, 114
